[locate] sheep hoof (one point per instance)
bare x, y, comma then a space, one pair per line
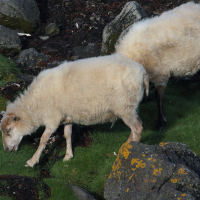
29, 164
67, 157
161, 125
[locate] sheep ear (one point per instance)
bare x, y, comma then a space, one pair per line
15, 118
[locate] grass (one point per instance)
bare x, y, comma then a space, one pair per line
90, 167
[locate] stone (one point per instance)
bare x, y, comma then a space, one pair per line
52, 29
10, 43
91, 50
130, 14
81, 194
146, 172
20, 15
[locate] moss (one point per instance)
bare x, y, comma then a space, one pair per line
17, 24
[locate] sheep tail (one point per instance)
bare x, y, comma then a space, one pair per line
146, 83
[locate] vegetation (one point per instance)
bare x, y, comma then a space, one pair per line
90, 166
8, 71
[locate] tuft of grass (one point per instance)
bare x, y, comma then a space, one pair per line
8, 69
59, 189
90, 167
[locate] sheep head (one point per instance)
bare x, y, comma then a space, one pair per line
10, 132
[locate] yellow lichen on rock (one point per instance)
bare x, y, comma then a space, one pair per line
125, 149
138, 162
162, 144
174, 180
181, 171
157, 171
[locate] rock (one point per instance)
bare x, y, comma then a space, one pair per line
81, 194
130, 14
20, 15
29, 61
77, 20
30, 57
54, 64
145, 172
44, 38
91, 50
10, 43
52, 29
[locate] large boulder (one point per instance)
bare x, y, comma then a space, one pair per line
10, 43
145, 172
131, 13
20, 15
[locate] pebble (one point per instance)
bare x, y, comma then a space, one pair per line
44, 38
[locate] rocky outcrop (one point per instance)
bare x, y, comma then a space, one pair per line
10, 43
145, 172
130, 14
20, 15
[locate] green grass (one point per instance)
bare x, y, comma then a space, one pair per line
8, 68
90, 167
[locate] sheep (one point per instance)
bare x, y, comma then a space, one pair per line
166, 45
88, 91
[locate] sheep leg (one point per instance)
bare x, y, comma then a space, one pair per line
67, 134
35, 159
160, 90
136, 129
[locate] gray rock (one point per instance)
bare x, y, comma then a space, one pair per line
20, 15
145, 172
91, 50
54, 64
52, 29
44, 38
30, 58
77, 20
10, 43
81, 194
130, 14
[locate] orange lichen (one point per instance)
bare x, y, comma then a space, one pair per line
157, 171
127, 190
181, 171
130, 177
162, 144
146, 180
174, 180
138, 162
154, 160
125, 149
183, 194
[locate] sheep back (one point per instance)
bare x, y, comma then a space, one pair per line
167, 44
88, 91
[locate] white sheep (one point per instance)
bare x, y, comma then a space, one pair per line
89, 91
166, 45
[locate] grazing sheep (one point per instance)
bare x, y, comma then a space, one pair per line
166, 45
89, 91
